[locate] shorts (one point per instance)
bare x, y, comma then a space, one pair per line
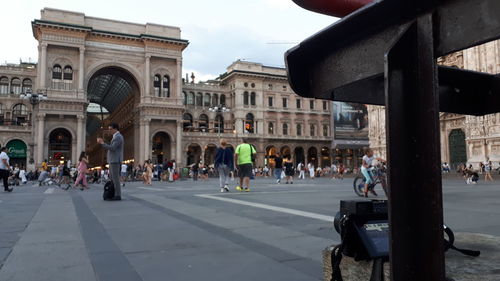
124, 174
245, 170
289, 173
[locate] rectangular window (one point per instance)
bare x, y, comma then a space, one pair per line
285, 103
325, 105
325, 130
270, 101
298, 104
311, 104
284, 88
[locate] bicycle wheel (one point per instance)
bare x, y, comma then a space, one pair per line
359, 186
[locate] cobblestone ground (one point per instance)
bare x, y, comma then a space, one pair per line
190, 231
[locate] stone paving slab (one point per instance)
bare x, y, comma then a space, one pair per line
44, 253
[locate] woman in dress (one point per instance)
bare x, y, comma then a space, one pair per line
148, 172
289, 172
82, 171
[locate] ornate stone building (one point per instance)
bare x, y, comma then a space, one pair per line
96, 71
464, 139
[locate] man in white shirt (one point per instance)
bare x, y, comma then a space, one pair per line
301, 170
124, 174
5, 169
333, 170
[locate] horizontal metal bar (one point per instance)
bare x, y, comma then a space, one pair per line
352, 49
460, 91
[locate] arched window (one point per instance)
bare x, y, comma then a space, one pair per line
57, 72
166, 86
187, 122
157, 85
285, 129
219, 124
185, 98
203, 123
223, 99
299, 129
252, 98
15, 86
312, 130
325, 130
206, 99
215, 100
245, 98
199, 99
190, 98
2, 114
68, 73
27, 85
19, 114
4, 85
270, 128
249, 123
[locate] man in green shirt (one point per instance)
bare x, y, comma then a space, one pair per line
243, 158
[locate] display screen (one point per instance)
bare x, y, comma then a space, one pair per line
350, 120
375, 237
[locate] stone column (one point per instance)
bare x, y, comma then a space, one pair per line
40, 139
147, 77
141, 142
178, 145
80, 135
43, 71
260, 127
147, 139
178, 83
239, 126
81, 71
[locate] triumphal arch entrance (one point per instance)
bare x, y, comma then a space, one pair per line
99, 71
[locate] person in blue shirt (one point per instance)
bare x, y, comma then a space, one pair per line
224, 163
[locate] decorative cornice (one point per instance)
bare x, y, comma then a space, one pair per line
80, 28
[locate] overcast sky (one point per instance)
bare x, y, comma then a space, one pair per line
219, 31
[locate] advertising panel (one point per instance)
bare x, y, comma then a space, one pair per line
350, 121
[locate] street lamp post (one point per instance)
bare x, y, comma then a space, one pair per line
219, 109
34, 100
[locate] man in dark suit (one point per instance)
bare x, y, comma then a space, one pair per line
115, 158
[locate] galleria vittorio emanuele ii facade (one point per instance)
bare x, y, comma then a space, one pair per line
96, 71
464, 139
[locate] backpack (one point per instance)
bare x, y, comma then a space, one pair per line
109, 191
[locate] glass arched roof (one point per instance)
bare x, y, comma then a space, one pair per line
108, 90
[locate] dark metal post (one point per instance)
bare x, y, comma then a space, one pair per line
415, 205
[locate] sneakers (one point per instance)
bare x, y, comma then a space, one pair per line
247, 189
226, 188
239, 188
222, 190
278, 181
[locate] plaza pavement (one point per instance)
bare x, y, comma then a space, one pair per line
190, 231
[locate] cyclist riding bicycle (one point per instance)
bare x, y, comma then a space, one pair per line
367, 168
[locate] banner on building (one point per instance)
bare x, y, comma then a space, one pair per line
350, 121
